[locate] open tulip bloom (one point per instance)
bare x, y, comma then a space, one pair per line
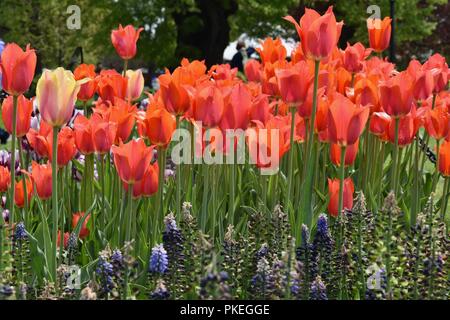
324, 175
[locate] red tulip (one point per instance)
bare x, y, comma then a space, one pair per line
294, 83
346, 121
87, 90
147, 185
5, 179
42, 178
17, 68
440, 71
319, 35
66, 239
333, 194
263, 141
124, 41
350, 153
236, 114
396, 95
379, 33
260, 108
354, 56
19, 195
103, 133
379, 125
208, 106
23, 120
132, 160
423, 80
83, 135
253, 70
84, 231
408, 127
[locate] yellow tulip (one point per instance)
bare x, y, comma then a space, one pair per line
135, 84
56, 94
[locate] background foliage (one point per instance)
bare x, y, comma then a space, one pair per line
201, 29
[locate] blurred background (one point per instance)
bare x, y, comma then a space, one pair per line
203, 29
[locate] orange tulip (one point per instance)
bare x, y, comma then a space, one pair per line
132, 160
174, 94
366, 94
319, 35
396, 95
272, 50
160, 126
379, 33
350, 153
23, 120
193, 72
17, 68
354, 56
84, 231
333, 194
121, 113
253, 70
437, 122
41, 142
87, 90
111, 85
5, 179
294, 83
42, 178
66, 147
19, 195
83, 135
444, 159
124, 41
321, 122
208, 106
346, 121
147, 185
236, 114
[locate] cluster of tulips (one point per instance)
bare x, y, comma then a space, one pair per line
344, 120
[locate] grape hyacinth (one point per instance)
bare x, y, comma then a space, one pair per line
318, 290
20, 233
105, 274
158, 260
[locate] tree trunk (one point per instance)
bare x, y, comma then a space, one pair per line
204, 35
